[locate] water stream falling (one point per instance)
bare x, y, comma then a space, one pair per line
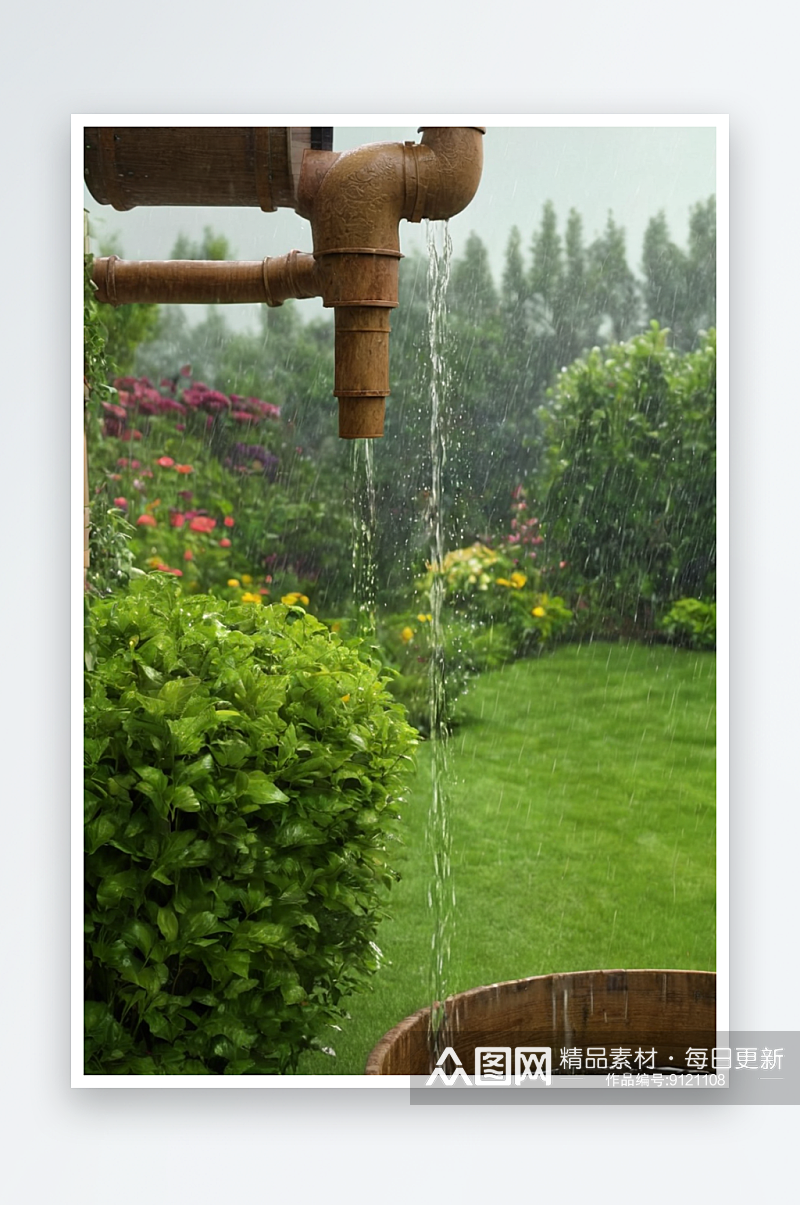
364, 529
441, 896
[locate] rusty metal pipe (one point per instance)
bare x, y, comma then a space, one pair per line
354, 201
205, 282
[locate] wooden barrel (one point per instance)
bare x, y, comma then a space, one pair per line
126, 166
668, 1011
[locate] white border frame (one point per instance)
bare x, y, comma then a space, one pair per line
720, 123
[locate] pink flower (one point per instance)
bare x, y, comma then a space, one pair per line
122, 463
224, 543
186, 371
146, 521
188, 555
228, 521
176, 519
203, 523
166, 462
122, 503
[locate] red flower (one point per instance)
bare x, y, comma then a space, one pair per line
166, 569
122, 463
146, 521
228, 521
176, 519
188, 555
224, 543
203, 523
166, 462
122, 503
183, 468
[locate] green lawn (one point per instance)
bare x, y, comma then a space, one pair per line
583, 832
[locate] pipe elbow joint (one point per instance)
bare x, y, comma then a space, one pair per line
355, 201
449, 167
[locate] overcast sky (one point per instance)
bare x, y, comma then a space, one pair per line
633, 171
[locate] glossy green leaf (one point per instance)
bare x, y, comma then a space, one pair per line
168, 923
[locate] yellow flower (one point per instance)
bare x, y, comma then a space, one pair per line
251, 598
425, 618
233, 581
518, 580
345, 698
502, 581
406, 635
538, 612
294, 598
247, 579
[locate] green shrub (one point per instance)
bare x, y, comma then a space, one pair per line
631, 504
485, 587
243, 766
692, 623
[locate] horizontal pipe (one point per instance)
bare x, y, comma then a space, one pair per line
205, 282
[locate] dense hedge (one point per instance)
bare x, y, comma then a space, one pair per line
242, 775
631, 505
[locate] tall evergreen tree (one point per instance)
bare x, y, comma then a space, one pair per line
702, 273
514, 290
665, 271
546, 258
579, 324
614, 287
472, 293
545, 284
